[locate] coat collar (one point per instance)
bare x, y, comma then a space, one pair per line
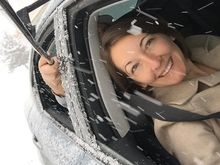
211, 80
182, 92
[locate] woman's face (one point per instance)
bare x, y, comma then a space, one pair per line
149, 59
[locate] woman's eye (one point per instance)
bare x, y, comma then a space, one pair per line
148, 43
134, 68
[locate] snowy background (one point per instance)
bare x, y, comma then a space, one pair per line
16, 139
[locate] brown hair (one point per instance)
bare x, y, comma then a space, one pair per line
118, 30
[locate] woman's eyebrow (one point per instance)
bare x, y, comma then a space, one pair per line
141, 42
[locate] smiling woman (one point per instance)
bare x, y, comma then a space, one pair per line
149, 59
153, 55
140, 51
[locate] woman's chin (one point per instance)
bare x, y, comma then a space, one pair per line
177, 79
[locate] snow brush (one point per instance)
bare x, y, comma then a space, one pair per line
14, 17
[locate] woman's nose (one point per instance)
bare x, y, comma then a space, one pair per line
152, 61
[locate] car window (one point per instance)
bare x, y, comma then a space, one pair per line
52, 48
119, 10
48, 100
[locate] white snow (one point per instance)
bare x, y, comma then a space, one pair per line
16, 139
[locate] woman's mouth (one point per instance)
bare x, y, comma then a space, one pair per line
167, 68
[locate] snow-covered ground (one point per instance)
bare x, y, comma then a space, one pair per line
16, 146
16, 139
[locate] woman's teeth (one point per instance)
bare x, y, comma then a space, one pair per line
168, 67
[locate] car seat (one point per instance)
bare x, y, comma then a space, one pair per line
134, 132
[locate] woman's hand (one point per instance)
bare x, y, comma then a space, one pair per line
51, 75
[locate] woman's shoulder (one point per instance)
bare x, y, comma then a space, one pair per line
205, 41
205, 49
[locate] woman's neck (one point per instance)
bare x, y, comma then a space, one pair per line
196, 70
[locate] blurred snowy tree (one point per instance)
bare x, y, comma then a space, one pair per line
14, 51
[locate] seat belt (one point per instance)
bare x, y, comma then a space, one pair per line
155, 109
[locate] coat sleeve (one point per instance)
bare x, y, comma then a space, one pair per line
190, 142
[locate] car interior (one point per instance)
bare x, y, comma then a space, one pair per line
136, 133
119, 129
140, 127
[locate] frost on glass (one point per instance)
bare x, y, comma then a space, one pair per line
72, 93
75, 106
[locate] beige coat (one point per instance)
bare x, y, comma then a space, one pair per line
194, 143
